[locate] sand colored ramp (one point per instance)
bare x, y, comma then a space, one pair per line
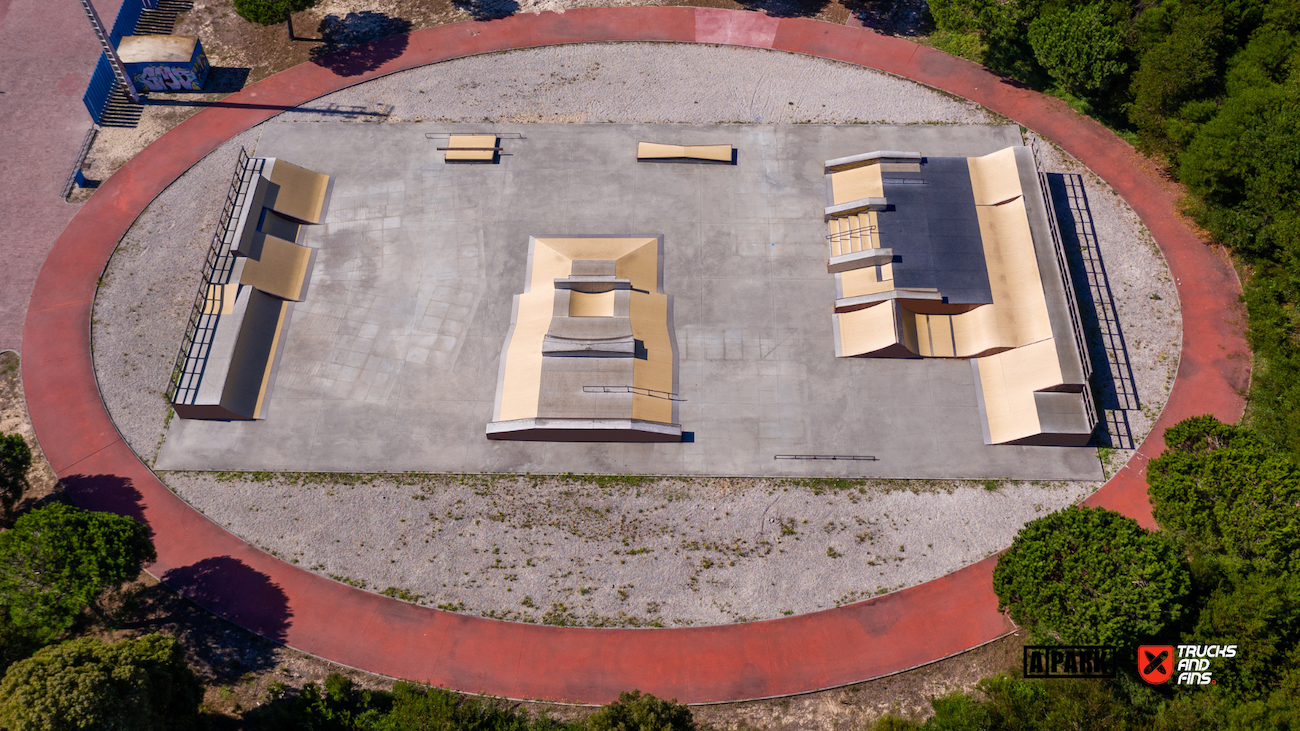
300, 194
471, 148
588, 299
282, 268
657, 152
1025, 402
995, 178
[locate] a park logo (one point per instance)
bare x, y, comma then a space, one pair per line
1054, 661
1155, 663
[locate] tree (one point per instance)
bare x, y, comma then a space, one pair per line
1222, 488
135, 685
636, 712
1091, 576
1182, 68
1261, 615
1079, 48
15, 459
58, 559
270, 12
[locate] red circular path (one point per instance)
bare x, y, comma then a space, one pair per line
759, 659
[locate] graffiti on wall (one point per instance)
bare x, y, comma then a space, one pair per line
169, 78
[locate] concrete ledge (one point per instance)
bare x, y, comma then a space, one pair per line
857, 206
869, 158
584, 430
849, 304
857, 260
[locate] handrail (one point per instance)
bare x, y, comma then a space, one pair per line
209, 302
638, 390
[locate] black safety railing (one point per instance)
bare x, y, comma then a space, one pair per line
209, 302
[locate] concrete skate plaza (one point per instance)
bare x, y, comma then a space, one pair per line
391, 361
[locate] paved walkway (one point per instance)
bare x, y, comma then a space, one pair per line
311, 613
47, 52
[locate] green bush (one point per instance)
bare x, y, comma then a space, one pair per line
1091, 576
133, 685
57, 560
271, 12
1225, 490
1008, 703
15, 459
1180, 69
637, 712
1079, 48
1261, 615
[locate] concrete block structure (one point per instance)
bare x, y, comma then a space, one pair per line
937, 258
590, 354
258, 270
164, 63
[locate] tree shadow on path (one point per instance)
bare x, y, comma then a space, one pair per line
351, 45
232, 589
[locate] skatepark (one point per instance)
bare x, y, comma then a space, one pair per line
794, 412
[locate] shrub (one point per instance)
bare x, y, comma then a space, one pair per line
1223, 489
637, 712
135, 685
1008, 702
1091, 576
1179, 69
1261, 615
15, 459
58, 559
1078, 47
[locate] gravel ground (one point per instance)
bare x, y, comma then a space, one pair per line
630, 551
646, 82
613, 551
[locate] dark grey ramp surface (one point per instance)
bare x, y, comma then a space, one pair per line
391, 362
931, 225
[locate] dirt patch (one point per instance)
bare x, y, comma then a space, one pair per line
41, 482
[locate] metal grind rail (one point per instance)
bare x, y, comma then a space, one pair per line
840, 235
196, 345
667, 395
830, 457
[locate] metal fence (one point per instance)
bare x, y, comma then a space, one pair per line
208, 303
100, 89
102, 82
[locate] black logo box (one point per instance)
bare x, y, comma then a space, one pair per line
1073, 661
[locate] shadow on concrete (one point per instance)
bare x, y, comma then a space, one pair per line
236, 591
351, 45
1114, 385
488, 9
106, 493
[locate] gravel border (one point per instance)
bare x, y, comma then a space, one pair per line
623, 551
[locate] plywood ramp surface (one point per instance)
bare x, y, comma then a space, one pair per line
636, 259
994, 178
481, 148
658, 151
1008, 381
281, 270
868, 330
302, 193
857, 184
1014, 279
